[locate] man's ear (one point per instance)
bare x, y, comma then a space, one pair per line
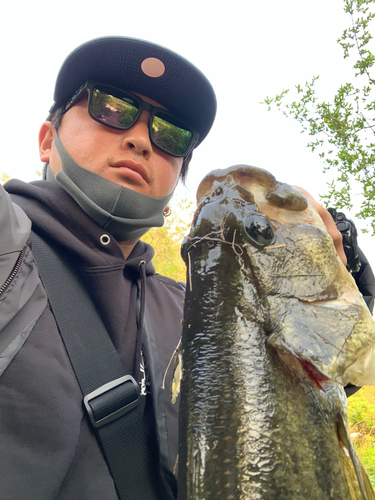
46, 136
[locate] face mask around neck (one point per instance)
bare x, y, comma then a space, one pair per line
124, 213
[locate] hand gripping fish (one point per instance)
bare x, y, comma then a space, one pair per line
274, 327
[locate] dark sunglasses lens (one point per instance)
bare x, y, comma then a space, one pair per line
112, 110
170, 137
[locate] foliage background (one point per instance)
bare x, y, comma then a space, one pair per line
342, 129
167, 240
361, 412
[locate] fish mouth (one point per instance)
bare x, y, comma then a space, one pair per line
314, 374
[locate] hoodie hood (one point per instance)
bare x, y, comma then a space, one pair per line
99, 261
58, 218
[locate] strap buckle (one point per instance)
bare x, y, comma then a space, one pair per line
112, 400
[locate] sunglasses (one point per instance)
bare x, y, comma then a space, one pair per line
120, 110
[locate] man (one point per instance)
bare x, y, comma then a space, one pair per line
126, 118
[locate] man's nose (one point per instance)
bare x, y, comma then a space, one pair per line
137, 138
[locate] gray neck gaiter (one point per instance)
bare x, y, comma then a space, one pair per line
124, 213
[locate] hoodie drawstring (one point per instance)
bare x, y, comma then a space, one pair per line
141, 303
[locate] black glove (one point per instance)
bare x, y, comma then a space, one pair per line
349, 239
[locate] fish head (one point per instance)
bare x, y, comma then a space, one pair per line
271, 226
227, 205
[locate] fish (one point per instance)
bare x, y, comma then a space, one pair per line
274, 327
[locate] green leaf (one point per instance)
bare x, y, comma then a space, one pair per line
344, 127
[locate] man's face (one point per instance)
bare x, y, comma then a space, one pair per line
126, 157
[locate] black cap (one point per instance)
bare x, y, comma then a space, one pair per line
144, 67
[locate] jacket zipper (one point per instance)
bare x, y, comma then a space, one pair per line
9, 280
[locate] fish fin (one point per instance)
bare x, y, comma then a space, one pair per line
364, 483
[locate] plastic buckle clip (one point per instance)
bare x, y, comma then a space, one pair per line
114, 415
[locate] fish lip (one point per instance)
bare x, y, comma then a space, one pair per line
132, 165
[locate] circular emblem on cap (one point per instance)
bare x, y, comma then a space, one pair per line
153, 67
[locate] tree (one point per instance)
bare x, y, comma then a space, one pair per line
167, 241
343, 130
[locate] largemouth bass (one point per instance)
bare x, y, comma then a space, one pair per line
274, 326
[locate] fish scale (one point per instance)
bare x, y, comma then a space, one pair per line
253, 423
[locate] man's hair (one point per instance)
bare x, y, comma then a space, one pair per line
56, 117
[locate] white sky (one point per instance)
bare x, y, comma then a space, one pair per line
248, 49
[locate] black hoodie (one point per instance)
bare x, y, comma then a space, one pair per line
51, 450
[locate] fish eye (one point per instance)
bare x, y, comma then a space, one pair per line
258, 231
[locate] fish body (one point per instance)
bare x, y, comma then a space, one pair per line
273, 327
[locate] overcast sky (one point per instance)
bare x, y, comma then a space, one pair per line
248, 49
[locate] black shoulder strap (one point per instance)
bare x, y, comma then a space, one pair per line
111, 397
